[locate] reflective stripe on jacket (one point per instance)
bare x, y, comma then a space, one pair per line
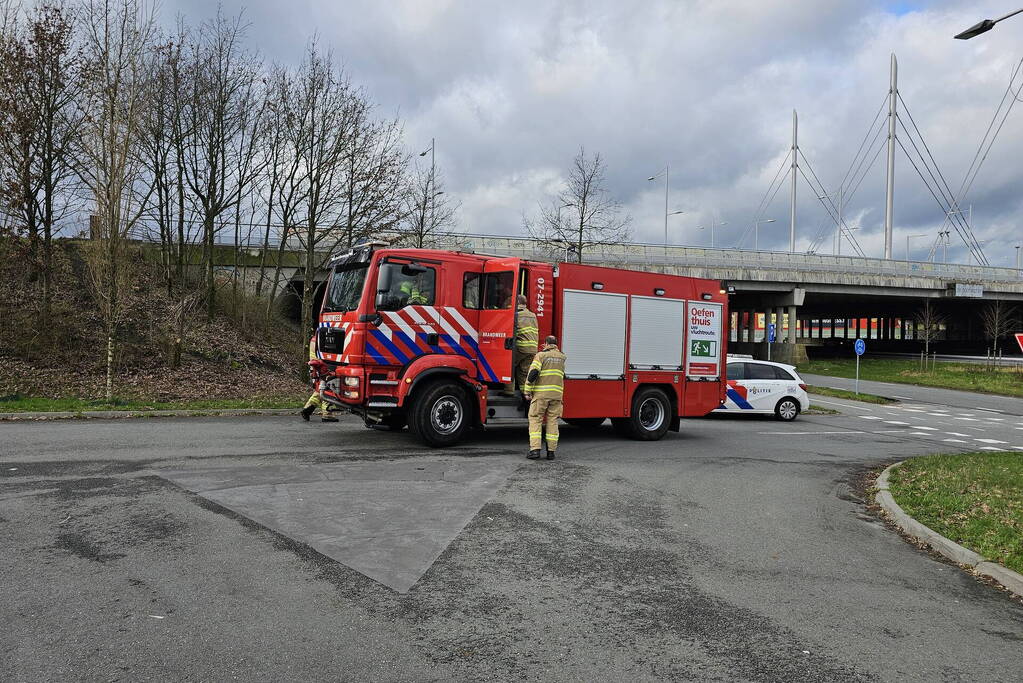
547, 373
312, 348
527, 330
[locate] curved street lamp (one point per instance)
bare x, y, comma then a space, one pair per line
984, 26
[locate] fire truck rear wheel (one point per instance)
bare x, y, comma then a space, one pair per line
440, 415
651, 415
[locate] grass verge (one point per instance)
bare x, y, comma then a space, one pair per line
852, 396
31, 404
975, 499
820, 410
1003, 381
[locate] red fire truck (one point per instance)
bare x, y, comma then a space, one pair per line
425, 338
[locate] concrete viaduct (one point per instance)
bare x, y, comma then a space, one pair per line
831, 300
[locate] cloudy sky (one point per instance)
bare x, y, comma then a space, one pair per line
511, 90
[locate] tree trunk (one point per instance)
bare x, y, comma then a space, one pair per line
210, 285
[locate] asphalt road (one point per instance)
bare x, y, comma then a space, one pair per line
940, 397
736, 550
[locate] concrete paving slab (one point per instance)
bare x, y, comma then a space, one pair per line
388, 520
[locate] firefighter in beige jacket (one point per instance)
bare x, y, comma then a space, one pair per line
545, 385
527, 333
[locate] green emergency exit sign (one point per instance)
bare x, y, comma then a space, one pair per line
699, 347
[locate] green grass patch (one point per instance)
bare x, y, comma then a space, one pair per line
820, 410
30, 404
851, 395
976, 499
1003, 381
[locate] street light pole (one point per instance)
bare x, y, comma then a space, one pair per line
655, 177
908, 238
756, 232
433, 180
712, 226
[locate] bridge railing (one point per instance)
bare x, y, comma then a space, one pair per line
637, 254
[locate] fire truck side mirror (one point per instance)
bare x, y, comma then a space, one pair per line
384, 279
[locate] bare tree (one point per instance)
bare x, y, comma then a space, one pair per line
222, 94
931, 322
39, 118
583, 215
374, 165
326, 110
428, 211
998, 320
117, 37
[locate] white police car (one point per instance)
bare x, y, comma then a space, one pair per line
760, 387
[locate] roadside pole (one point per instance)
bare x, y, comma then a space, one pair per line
771, 333
859, 347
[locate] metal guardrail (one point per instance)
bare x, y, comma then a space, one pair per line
633, 254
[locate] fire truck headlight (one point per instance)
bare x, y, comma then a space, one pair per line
351, 381
351, 394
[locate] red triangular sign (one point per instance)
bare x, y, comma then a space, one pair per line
1019, 340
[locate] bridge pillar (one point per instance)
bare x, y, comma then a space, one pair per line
751, 322
792, 324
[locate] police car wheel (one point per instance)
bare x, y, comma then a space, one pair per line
787, 409
651, 415
440, 415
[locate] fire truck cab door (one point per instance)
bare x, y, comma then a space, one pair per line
497, 319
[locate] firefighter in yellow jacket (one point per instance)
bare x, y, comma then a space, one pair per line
316, 400
545, 385
527, 332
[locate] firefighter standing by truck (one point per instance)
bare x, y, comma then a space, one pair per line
316, 400
527, 333
545, 386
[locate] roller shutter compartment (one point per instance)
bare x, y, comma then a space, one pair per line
593, 334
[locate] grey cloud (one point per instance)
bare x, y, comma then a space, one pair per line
511, 90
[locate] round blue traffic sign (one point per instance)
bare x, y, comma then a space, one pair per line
860, 347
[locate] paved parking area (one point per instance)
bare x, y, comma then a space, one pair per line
266, 547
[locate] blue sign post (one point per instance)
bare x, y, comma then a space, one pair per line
860, 347
770, 339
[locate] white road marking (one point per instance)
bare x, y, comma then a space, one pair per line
921, 434
812, 433
994, 419
895, 422
989, 440
954, 441
991, 448
929, 429
965, 414
938, 414
844, 405
914, 410
956, 434
990, 410
967, 419
904, 398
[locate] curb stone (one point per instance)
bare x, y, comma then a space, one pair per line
116, 414
1007, 578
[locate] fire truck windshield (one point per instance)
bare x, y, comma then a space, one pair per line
345, 288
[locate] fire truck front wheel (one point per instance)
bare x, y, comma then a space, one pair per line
440, 414
650, 418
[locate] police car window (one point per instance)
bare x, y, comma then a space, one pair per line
759, 371
407, 285
471, 283
497, 290
782, 373
736, 371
